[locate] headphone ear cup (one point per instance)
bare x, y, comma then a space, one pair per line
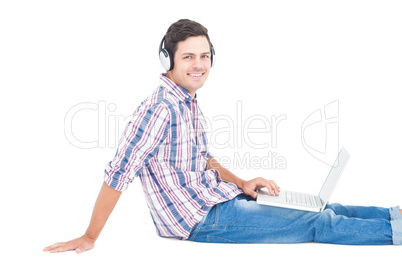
213, 59
166, 59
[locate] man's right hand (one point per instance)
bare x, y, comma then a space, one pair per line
104, 205
80, 245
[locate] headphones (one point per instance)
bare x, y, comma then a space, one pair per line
166, 56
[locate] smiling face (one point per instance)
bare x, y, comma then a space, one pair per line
192, 62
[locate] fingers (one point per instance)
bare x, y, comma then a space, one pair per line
58, 247
253, 194
271, 186
84, 247
250, 187
79, 245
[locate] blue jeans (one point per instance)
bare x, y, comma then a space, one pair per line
242, 220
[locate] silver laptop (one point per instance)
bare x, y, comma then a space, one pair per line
308, 202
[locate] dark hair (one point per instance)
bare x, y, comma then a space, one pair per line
181, 30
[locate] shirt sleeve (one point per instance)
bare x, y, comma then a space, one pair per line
139, 143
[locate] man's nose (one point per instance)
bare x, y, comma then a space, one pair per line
197, 63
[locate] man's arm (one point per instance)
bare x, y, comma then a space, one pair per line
248, 187
104, 205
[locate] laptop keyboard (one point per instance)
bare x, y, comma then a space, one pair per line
302, 199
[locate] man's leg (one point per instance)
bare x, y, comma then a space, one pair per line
242, 220
393, 215
360, 212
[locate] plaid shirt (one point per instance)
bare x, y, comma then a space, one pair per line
166, 146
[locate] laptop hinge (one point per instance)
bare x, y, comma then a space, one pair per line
318, 201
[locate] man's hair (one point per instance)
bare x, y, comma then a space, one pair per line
181, 30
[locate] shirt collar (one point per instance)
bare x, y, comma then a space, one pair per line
175, 89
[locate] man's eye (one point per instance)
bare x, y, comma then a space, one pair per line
188, 57
205, 56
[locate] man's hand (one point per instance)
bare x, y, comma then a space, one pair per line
80, 245
104, 205
250, 187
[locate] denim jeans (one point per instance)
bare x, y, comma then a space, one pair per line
242, 220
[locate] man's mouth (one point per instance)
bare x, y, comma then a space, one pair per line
195, 74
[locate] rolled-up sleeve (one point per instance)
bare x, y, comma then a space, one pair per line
140, 142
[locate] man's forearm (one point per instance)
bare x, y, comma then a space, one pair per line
104, 205
225, 174
248, 187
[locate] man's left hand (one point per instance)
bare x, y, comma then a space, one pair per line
250, 187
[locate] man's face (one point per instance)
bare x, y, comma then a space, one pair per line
192, 62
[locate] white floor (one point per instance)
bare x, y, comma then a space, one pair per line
95, 61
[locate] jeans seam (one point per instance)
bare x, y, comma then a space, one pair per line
216, 215
215, 227
320, 230
209, 236
193, 236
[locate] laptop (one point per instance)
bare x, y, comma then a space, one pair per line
309, 202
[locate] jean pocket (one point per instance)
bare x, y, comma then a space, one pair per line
212, 216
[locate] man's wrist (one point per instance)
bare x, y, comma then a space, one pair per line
240, 183
92, 235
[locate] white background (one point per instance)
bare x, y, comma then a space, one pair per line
275, 57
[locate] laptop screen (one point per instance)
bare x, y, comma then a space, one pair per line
334, 175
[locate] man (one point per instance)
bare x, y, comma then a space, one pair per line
189, 194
